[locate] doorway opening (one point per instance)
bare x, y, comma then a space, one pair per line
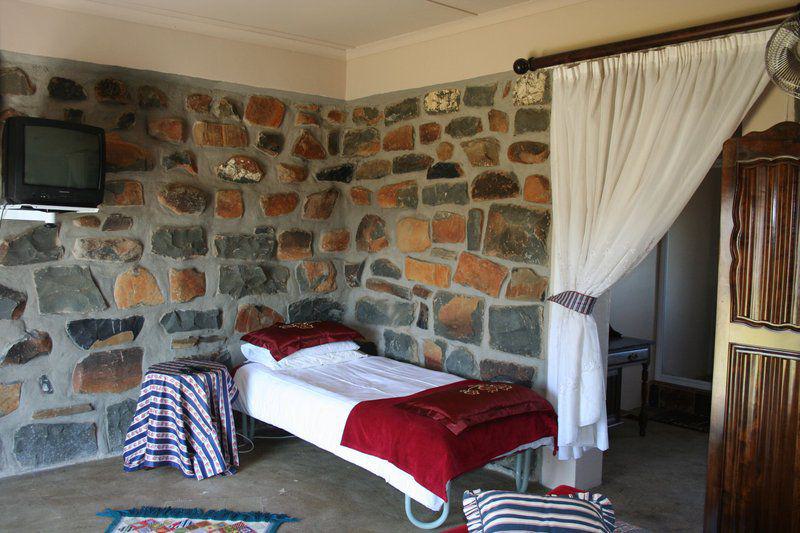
661, 353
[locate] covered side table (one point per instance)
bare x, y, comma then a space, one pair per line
184, 419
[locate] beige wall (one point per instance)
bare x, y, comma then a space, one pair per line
633, 313
774, 106
633, 306
44, 31
428, 58
492, 49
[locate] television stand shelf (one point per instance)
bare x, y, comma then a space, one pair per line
39, 213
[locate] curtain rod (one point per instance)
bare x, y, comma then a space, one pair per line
695, 33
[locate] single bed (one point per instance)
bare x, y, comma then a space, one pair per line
314, 404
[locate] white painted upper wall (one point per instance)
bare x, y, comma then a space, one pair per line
432, 57
49, 32
463, 49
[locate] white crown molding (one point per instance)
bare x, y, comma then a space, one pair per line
165, 18
489, 18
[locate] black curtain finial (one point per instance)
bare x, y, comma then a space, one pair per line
521, 66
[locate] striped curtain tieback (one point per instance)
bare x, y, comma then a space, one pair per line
582, 303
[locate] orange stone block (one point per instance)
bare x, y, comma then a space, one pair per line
111, 371
308, 147
228, 204
199, 103
122, 155
537, 189
429, 132
306, 119
123, 193
401, 138
403, 194
251, 317
428, 273
335, 240
288, 173
371, 234
526, 285
186, 285
361, 196
498, 121
9, 397
481, 274
457, 317
336, 116
444, 151
137, 287
295, 244
528, 152
219, 135
166, 129
319, 205
265, 111
433, 354
278, 204
449, 228
412, 235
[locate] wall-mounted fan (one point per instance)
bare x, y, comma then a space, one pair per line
783, 56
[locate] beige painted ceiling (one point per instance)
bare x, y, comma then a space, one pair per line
337, 25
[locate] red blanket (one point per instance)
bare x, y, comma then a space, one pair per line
430, 452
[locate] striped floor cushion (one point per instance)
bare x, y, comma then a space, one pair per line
496, 510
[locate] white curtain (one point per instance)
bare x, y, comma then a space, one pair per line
632, 137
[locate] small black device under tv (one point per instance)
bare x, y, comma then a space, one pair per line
51, 163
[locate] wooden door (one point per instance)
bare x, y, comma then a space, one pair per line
754, 446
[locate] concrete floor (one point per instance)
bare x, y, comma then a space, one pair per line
656, 482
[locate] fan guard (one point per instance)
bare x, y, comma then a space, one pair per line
783, 56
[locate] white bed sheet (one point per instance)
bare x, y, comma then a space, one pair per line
314, 403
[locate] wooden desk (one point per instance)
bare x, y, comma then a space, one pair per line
622, 352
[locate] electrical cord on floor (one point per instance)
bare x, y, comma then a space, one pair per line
252, 444
248, 441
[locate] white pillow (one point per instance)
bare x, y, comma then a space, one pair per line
308, 361
324, 354
257, 354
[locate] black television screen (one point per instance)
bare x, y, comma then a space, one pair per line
52, 163
56, 157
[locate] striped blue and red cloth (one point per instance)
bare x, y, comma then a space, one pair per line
184, 419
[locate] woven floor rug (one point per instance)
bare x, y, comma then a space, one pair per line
682, 420
175, 520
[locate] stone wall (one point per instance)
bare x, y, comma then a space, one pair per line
220, 216
451, 217
422, 218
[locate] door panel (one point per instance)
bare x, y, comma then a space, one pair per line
763, 391
754, 445
764, 273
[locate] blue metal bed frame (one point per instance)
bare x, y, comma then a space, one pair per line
521, 477
522, 470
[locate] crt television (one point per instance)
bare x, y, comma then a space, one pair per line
52, 163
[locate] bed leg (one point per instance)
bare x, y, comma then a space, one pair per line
522, 472
433, 524
248, 426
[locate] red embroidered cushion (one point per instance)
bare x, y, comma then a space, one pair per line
476, 402
283, 340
